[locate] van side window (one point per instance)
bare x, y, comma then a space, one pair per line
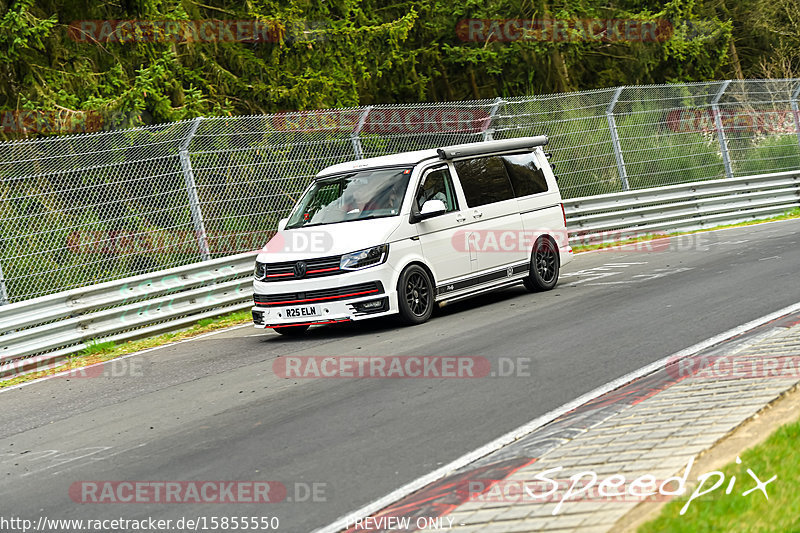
437, 185
484, 180
525, 174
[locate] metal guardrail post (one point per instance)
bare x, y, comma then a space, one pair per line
723, 141
355, 137
3, 290
612, 126
796, 112
191, 190
488, 135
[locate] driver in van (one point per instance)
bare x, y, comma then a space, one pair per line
432, 189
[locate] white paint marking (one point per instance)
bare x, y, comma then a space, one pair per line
89, 456
600, 272
725, 243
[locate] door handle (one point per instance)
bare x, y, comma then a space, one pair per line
477, 214
461, 218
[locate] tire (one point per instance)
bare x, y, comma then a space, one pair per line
545, 266
415, 295
291, 331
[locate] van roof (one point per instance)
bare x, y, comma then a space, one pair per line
446, 152
403, 158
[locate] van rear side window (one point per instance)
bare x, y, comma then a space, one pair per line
484, 180
526, 175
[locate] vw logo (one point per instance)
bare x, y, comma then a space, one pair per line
509, 272
300, 269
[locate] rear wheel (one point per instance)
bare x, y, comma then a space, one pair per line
545, 265
415, 295
291, 331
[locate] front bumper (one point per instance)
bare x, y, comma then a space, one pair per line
355, 295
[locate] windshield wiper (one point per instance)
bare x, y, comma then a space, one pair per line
369, 217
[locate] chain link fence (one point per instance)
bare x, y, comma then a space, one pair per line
82, 209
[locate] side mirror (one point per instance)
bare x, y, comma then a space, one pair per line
431, 208
282, 224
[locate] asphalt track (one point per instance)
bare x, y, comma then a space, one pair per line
214, 409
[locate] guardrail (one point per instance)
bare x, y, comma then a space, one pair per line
40, 333
685, 207
77, 209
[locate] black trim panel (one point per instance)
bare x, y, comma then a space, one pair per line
538, 208
314, 268
372, 288
448, 288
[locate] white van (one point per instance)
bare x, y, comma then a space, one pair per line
402, 233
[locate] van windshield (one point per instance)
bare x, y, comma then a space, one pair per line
354, 196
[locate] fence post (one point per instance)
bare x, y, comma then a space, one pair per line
723, 141
355, 136
191, 190
488, 135
3, 290
796, 112
612, 126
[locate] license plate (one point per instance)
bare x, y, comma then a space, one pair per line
302, 312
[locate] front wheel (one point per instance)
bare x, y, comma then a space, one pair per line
545, 265
291, 331
415, 295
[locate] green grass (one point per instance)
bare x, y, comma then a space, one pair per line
778, 455
98, 351
792, 213
96, 347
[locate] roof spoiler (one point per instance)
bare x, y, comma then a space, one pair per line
488, 147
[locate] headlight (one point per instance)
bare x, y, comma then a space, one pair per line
365, 258
260, 272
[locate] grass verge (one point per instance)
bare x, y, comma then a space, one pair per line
717, 511
98, 352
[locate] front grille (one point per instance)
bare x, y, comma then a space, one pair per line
321, 295
315, 268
